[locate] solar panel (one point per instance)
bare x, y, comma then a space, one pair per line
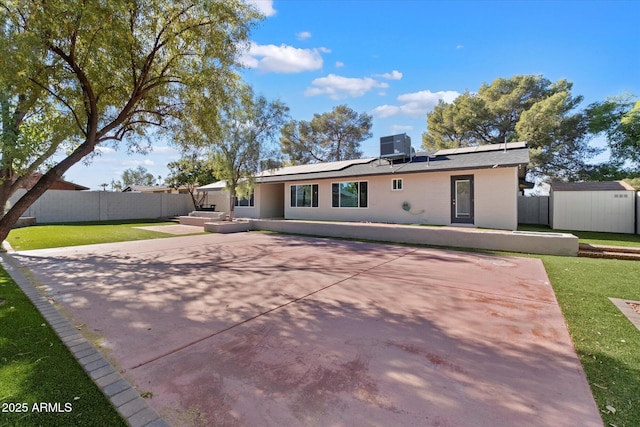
480, 148
315, 167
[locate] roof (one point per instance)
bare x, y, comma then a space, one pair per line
490, 156
146, 189
592, 186
59, 184
219, 185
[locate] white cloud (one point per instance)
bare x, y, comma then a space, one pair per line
164, 149
459, 46
282, 59
415, 104
264, 6
338, 87
105, 150
304, 35
394, 75
339, 64
401, 128
144, 162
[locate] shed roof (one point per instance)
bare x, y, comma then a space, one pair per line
592, 186
514, 154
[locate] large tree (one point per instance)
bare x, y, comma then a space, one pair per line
619, 120
523, 108
239, 137
137, 176
327, 137
77, 74
191, 171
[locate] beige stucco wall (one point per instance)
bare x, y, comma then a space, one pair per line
271, 200
429, 194
605, 211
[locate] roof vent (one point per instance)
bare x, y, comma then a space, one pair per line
395, 147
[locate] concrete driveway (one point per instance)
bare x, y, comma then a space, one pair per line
253, 329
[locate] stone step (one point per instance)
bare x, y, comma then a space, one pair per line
633, 256
606, 248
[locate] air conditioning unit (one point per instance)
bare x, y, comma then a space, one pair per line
395, 146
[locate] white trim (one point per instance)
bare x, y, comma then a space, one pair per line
396, 181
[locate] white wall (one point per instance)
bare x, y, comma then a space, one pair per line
78, 206
637, 213
429, 194
604, 211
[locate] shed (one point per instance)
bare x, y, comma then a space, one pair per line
593, 206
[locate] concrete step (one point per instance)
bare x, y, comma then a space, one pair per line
206, 214
194, 220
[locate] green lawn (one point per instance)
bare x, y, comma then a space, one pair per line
75, 234
590, 237
36, 367
606, 342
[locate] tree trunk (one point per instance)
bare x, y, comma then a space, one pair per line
232, 206
11, 217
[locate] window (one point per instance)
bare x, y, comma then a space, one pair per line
396, 184
304, 196
349, 194
243, 201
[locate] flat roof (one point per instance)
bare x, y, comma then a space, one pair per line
592, 186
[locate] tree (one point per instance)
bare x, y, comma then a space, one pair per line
327, 137
191, 171
78, 74
239, 137
522, 108
619, 120
137, 176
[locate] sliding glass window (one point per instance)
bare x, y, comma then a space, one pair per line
304, 196
349, 194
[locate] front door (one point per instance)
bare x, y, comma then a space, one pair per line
462, 199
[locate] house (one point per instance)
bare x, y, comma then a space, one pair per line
154, 189
471, 186
608, 206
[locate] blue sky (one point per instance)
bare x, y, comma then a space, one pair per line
396, 59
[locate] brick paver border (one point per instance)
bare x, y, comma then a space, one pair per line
127, 401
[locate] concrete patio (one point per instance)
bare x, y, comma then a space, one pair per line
256, 329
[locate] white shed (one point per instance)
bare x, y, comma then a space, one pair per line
593, 206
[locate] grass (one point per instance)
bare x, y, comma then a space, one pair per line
590, 237
86, 233
606, 342
35, 367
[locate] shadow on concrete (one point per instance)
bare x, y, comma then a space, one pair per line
281, 330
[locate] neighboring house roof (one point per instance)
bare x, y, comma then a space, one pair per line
146, 189
60, 184
592, 186
481, 157
216, 186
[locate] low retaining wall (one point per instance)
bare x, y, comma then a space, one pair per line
510, 241
25, 221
